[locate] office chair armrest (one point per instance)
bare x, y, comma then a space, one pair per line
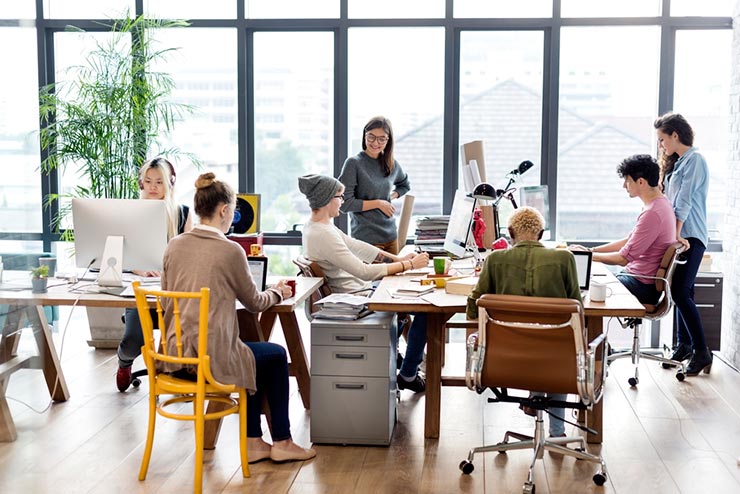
594, 395
473, 361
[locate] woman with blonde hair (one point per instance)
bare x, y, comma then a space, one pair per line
157, 179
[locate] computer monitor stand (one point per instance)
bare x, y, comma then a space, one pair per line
111, 265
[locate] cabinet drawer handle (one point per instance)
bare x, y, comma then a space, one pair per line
350, 356
704, 285
346, 337
349, 386
705, 306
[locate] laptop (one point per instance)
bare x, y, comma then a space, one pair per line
258, 268
583, 267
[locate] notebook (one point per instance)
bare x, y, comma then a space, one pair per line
583, 267
258, 268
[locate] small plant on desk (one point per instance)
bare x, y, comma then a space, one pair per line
39, 277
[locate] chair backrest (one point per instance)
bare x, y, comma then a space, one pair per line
312, 269
663, 279
157, 354
536, 344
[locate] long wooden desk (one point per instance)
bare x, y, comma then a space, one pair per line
621, 303
24, 305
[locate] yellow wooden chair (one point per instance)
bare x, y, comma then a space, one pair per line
202, 388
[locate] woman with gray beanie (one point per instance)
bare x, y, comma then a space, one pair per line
350, 264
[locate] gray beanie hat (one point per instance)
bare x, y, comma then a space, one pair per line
318, 189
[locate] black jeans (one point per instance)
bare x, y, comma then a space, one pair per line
689, 329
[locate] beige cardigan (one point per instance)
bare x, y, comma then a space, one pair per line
206, 258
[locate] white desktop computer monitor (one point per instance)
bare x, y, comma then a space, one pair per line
135, 230
538, 198
458, 229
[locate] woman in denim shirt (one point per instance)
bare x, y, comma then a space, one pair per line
686, 180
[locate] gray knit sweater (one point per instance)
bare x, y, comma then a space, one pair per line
363, 179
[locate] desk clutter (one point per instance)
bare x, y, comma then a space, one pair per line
342, 306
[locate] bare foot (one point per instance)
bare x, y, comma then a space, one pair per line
287, 450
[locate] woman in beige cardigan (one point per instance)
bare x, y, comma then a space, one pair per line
205, 257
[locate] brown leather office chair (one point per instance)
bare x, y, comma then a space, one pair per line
663, 279
313, 270
535, 344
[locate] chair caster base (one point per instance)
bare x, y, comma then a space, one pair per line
136, 382
466, 467
680, 376
633, 381
528, 488
599, 479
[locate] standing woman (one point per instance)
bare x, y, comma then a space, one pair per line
204, 257
157, 182
686, 180
372, 179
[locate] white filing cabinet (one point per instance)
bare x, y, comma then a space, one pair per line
353, 380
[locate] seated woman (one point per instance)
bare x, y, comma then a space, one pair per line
347, 263
204, 257
157, 182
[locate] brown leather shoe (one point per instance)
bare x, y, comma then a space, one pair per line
257, 456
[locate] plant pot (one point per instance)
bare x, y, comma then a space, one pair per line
38, 285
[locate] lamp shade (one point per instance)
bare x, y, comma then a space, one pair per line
484, 191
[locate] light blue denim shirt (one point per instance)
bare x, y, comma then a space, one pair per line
686, 188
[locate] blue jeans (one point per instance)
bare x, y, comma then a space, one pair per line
417, 339
646, 293
689, 328
133, 338
272, 382
556, 424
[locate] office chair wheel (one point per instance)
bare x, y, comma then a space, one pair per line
680, 376
136, 382
528, 488
466, 467
633, 381
599, 479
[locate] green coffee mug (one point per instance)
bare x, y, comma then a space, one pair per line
441, 265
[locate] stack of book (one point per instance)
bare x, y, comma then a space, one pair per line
342, 306
431, 231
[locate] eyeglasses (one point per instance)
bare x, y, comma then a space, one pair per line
372, 138
340, 197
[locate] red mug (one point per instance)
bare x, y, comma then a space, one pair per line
291, 284
500, 244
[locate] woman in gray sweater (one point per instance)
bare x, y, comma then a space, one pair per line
372, 179
205, 257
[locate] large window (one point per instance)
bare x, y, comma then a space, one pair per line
20, 188
704, 102
282, 88
206, 80
608, 101
293, 124
397, 73
501, 100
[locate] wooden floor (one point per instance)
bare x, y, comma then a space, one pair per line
663, 437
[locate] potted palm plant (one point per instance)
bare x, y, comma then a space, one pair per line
39, 278
103, 120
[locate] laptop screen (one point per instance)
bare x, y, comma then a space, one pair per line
583, 266
258, 268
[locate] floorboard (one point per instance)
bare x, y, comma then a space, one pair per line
663, 436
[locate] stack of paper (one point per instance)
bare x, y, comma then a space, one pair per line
342, 306
412, 291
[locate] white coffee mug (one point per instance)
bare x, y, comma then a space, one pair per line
599, 291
